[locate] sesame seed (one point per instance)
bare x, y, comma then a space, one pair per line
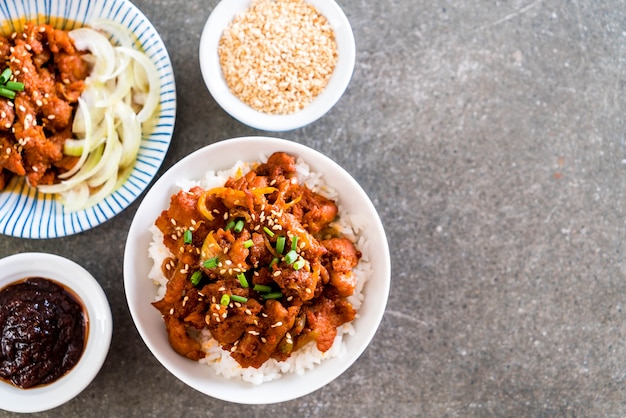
171, 311
277, 324
276, 273
268, 76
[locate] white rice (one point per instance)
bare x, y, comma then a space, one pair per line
305, 358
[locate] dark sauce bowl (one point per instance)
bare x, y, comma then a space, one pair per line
84, 288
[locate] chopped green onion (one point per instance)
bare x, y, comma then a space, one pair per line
9, 94
247, 244
294, 242
280, 244
274, 261
196, 277
5, 76
273, 295
291, 256
229, 225
14, 85
188, 236
225, 300
299, 263
242, 280
262, 288
211, 263
238, 298
239, 226
268, 231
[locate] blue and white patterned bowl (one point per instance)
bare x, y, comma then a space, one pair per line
26, 213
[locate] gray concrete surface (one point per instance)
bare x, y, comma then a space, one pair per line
490, 135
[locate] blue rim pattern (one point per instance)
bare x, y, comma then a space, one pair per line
26, 213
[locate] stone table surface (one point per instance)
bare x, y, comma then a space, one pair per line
490, 136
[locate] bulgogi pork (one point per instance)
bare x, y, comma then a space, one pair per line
258, 264
35, 125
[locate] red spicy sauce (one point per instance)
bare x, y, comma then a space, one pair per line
43, 328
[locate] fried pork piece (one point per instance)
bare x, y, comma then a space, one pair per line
219, 260
342, 257
39, 120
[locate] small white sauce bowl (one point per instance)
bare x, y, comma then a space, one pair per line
17, 267
220, 19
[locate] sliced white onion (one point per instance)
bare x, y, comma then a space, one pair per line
120, 34
120, 97
83, 111
76, 197
117, 88
109, 166
130, 128
154, 82
99, 46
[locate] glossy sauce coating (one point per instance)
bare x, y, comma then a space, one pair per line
42, 332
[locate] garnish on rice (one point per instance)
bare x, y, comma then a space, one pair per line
258, 264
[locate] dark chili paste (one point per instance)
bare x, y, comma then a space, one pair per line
42, 332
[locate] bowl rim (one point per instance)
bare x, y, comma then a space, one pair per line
147, 319
68, 273
220, 18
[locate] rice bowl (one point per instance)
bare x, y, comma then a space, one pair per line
303, 375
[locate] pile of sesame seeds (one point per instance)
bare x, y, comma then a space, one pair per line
278, 55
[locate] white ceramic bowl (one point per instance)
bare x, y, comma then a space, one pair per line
71, 275
140, 290
221, 17
27, 213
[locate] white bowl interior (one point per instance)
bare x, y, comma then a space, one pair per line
221, 17
83, 284
140, 291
